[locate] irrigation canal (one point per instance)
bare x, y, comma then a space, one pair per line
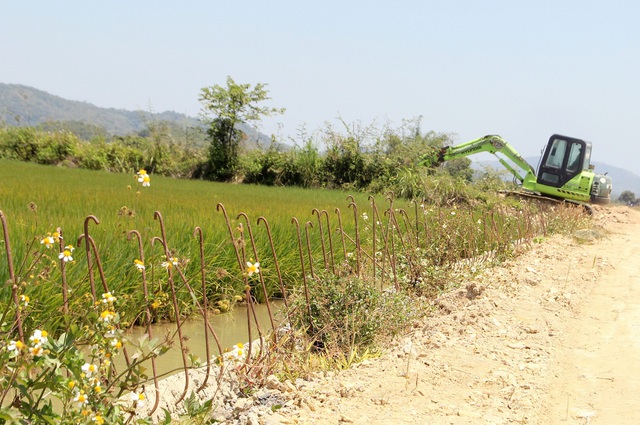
231, 329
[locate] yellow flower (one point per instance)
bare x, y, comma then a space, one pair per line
50, 239
107, 298
89, 369
107, 316
38, 337
171, 261
155, 304
138, 399
47, 241
25, 299
237, 353
143, 178
81, 398
36, 351
15, 346
252, 268
66, 254
98, 419
139, 264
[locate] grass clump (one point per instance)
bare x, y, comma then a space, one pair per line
346, 317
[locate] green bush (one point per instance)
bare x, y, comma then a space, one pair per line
349, 313
263, 167
31, 145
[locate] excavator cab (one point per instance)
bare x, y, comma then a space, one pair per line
563, 159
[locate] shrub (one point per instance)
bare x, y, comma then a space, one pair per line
350, 314
31, 145
263, 167
77, 369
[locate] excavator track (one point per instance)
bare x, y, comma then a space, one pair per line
547, 200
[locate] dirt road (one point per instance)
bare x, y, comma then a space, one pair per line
552, 337
596, 370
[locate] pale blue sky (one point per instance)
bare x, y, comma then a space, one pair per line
521, 69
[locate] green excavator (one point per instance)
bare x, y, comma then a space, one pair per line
565, 173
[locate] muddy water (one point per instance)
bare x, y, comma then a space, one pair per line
231, 328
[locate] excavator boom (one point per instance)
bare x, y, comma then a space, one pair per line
492, 144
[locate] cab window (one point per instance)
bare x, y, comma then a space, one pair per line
574, 157
556, 156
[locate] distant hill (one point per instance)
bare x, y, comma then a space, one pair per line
26, 106
622, 179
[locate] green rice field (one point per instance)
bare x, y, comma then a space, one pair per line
37, 200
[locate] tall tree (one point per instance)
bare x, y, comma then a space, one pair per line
627, 197
224, 108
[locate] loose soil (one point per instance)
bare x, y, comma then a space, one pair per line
552, 337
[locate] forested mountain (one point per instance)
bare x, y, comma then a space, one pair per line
26, 106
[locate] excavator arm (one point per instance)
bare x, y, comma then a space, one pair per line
492, 144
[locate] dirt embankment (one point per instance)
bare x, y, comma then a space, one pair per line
552, 337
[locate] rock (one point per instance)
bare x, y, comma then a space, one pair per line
272, 382
301, 383
467, 413
408, 349
287, 386
252, 419
242, 404
494, 420
347, 389
474, 290
275, 419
